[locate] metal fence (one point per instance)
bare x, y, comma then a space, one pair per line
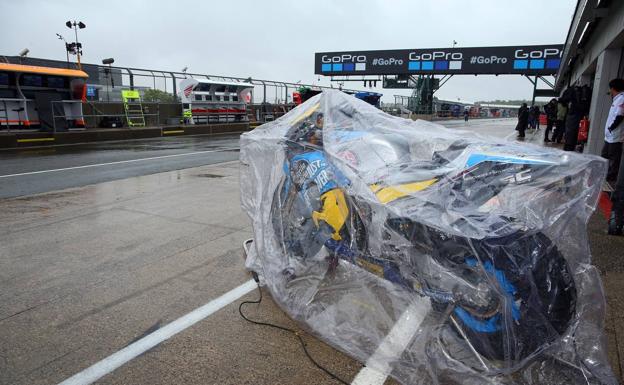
112, 115
267, 91
270, 99
101, 114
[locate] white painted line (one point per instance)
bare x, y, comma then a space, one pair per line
390, 349
115, 360
118, 162
368, 376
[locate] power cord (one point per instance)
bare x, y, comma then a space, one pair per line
296, 333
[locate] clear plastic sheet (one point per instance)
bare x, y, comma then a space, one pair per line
432, 255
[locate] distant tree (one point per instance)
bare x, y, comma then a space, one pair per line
157, 96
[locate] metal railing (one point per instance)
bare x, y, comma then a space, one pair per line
267, 92
96, 118
155, 114
271, 91
259, 112
4, 111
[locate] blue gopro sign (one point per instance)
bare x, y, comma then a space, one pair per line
524, 60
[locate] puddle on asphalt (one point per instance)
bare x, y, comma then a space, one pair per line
209, 176
47, 196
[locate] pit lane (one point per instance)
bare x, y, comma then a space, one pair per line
88, 267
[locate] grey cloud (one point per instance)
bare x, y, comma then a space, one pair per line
277, 39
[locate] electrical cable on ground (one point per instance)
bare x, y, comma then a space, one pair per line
296, 333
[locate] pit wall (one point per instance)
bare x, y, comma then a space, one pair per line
17, 139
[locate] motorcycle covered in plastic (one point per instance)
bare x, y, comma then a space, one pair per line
434, 256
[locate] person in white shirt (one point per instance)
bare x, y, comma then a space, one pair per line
614, 133
614, 130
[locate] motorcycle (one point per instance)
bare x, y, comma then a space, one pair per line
444, 221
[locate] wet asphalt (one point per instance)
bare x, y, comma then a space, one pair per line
38, 170
53, 168
105, 255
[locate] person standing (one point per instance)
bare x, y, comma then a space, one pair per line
614, 132
466, 113
550, 109
562, 111
535, 115
531, 120
573, 118
615, 129
523, 120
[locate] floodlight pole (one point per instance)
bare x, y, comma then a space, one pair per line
75, 25
109, 81
66, 47
110, 84
77, 49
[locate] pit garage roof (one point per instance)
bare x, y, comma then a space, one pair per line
42, 70
595, 26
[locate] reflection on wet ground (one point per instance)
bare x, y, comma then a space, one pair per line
86, 271
195, 143
54, 168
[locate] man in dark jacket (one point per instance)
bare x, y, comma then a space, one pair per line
534, 114
523, 120
551, 116
578, 100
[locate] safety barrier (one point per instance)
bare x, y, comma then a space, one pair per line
100, 115
105, 114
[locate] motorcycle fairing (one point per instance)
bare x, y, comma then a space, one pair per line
507, 227
475, 158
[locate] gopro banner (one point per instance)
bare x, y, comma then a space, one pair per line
523, 60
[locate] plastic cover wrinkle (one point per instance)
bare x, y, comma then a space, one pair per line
435, 256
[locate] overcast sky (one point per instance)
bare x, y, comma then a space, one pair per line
277, 39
